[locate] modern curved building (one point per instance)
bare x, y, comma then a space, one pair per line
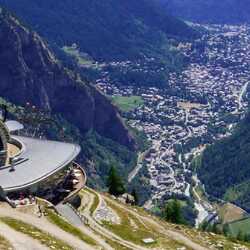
34, 166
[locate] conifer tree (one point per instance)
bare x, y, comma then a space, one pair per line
135, 195
115, 183
173, 212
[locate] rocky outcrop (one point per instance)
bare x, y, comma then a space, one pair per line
29, 72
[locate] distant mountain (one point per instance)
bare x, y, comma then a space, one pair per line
210, 11
29, 72
112, 30
106, 30
224, 167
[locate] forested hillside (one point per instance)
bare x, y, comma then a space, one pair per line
225, 167
106, 30
210, 11
136, 42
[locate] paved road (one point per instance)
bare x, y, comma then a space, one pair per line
68, 213
139, 165
242, 93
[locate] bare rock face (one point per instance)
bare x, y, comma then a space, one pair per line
29, 72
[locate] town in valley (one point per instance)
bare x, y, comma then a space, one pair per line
200, 105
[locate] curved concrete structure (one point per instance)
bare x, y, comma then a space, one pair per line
38, 160
4, 138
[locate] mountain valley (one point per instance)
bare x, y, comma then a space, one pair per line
156, 110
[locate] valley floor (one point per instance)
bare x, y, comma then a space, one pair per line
201, 105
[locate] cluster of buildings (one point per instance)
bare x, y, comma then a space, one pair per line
200, 105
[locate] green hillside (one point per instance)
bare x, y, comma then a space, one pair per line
225, 167
138, 33
106, 30
240, 226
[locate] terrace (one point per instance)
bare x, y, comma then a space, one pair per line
34, 160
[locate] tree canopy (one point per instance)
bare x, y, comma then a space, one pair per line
115, 183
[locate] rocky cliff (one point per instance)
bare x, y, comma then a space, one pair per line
29, 72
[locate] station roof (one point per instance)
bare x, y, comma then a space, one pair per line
14, 125
38, 160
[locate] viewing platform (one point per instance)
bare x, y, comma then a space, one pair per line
34, 161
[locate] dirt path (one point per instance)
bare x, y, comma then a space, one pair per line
69, 214
20, 241
169, 233
105, 232
46, 226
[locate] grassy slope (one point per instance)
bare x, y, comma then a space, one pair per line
136, 224
127, 103
5, 244
45, 238
67, 227
225, 169
242, 226
125, 230
152, 230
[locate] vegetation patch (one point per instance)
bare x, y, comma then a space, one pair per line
229, 213
45, 238
224, 166
240, 227
81, 59
67, 227
95, 202
106, 153
5, 244
127, 103
116, 245
125, 230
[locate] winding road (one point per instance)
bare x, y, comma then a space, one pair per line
139, 165
242, 93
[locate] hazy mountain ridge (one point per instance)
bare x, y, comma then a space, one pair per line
105, 30
136, 42
210, 11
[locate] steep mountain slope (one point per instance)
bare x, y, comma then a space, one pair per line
225, 167
127, 42
106, 30
29, 72
210, 11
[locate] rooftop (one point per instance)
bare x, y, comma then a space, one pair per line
37, 160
